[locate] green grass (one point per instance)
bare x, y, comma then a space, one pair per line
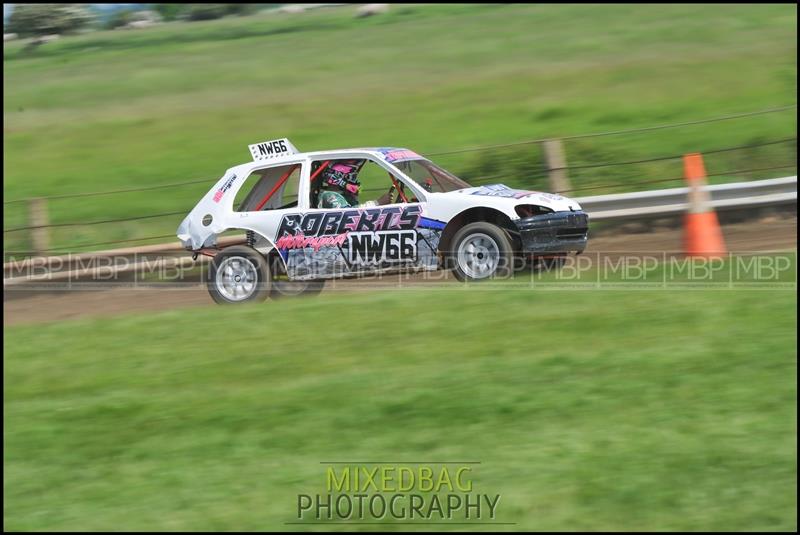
601, 410
113, 110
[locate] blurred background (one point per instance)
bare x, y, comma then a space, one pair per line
612, 410
111, 100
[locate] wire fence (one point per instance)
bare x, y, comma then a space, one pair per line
113, 242
681, 178
109, 192
482, 179
679, 156
459, 151
588, 188
88, 223
618, 132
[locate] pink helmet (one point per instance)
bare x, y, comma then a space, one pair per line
343, 174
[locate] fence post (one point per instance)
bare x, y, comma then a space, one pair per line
37, 216
556, 165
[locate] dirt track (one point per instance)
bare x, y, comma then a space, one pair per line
21, 306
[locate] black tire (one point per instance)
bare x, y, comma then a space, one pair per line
488, 241
281, 287
251, 267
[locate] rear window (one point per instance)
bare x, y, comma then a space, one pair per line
272, 188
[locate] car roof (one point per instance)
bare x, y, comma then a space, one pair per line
377, 152
380, 152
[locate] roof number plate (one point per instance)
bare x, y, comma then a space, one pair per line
272, 149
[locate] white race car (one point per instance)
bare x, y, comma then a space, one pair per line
313, 216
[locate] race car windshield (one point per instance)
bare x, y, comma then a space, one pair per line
431, 176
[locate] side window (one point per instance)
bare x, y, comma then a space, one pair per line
377, 185
272, 188
380, 186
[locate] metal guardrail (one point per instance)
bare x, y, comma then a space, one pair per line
775, 191
652, 203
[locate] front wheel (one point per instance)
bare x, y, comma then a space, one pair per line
238, 274
481, 251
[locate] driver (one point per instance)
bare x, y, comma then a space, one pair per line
340, 185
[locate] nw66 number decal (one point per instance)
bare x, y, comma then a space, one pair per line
370, 236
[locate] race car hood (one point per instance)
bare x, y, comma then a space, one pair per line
501, 196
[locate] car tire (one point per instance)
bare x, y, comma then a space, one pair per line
281, 287
238, 274
481, 251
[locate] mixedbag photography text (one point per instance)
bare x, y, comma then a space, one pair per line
398, 492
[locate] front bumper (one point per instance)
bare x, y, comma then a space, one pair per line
557, 232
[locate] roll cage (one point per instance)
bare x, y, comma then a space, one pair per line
309, 178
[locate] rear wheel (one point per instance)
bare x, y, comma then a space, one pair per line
238, 274
481, 251
282, 286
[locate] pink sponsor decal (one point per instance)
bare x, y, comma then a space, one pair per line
401, 155
301, 242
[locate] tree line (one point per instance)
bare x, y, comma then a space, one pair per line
32, 20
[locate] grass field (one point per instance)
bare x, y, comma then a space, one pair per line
601, 410
111, 110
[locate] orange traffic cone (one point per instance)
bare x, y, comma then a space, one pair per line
702, 233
